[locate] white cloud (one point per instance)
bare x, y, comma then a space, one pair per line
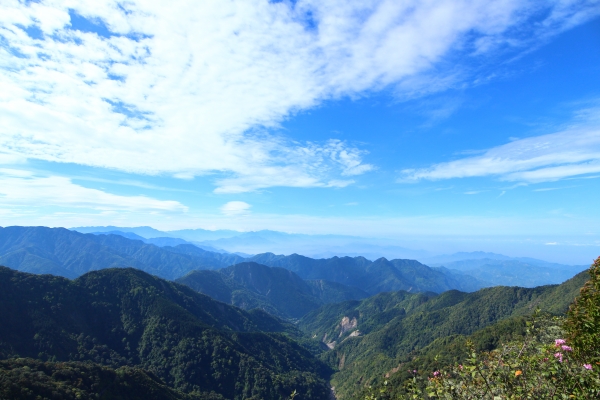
20, 188
299, 166
544, 158
235, 208
11, 159
181, 88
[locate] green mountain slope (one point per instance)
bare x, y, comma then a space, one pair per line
372, 337
373, 277
276, 290
25, 378
333, 292
125, 317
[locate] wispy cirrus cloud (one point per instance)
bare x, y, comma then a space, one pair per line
21, 188
183, 88
572, 152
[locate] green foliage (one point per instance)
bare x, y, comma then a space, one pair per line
538, 367
125, 317
276, 290
402, 331
373, 277
250, 285
583, 322
540, 364
333, 292
24, 379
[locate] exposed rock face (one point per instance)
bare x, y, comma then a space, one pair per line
331, 344
355, 333
347, 324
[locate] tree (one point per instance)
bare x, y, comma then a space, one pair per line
583, 319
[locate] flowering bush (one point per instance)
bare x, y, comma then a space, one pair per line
520, 370
546, 364
583, 318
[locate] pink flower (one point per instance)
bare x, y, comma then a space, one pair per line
587, 366
460, 366
436, 373
558, 342
559, 356
566, 348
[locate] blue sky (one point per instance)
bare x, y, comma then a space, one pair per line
447, 125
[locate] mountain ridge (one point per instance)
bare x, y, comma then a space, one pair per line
370, 337
277, 290
126, 317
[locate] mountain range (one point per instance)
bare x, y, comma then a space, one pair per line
187, 323
138, 334
126, 317
319, 246
488, 269
70, 254
382, 335
276, 290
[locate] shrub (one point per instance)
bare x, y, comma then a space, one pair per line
543, 365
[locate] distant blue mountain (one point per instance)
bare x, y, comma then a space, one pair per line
473, 255
68, 253
316, 246
143, 231
128, 235
498, 269
162, 241
256, 242
73, 254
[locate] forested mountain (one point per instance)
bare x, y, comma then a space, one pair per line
371, 276
70, 254
276, 290
126, 317
373, 337
140, 331
26, 378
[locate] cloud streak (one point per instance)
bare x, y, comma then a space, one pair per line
552, 157
235, 208
188, 89
19, 188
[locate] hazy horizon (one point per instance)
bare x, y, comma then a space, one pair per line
444, 127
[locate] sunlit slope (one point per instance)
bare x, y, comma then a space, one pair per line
370, 338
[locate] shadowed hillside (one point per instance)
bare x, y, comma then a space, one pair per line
276, 290
125, 317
